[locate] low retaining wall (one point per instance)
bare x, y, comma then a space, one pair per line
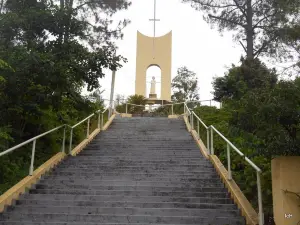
286, 190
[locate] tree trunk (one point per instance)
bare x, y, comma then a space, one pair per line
249, 30
68, 23
61, 28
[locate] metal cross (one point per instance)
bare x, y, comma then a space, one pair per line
154, 27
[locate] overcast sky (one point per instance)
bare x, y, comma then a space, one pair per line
195, 45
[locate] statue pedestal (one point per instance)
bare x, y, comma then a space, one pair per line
153, 96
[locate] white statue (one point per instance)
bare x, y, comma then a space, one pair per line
153, 84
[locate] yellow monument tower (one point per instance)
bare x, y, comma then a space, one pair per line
154, 51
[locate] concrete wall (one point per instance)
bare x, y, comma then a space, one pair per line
162, 59
286, 176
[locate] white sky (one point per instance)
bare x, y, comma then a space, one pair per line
195, 45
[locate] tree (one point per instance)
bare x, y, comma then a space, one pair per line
250, 75
185, 86
259, 23
138, 102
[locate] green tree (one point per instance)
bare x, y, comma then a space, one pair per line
185, 86
55, 50
251, 74
257, 23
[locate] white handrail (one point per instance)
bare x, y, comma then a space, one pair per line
200, 120
226, 140
33, 140
210, 147
77, 124
28, 141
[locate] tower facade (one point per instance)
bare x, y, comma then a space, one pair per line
154, 51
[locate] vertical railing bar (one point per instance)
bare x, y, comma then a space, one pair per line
207, 141
172, 109
259, 195
212, 142
229, 162
71, 139
99, 120
32, 158
126, 108
198, 129
64, 141
88, 129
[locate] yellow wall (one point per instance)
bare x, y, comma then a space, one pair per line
163, 59
286, 176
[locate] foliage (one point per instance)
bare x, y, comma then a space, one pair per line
136, 104
251, 74
261, 117
243, 174
55, 49
185, 86
259, 23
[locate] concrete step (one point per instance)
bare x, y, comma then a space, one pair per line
82, 210
128, 193
130, 171
133, 175
110, 218
139, 168
120, 198
219, 222
145, 165
96, 183
92, 180
135, 188
127, 204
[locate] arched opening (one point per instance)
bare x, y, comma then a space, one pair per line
153, 71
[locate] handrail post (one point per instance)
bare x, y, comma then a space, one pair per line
192, 120
64, 141
71, 139
229, 163
172, 109
126, 108
32, 158
212, 141
98, 120
260, 207
88, 129
198, 129
101, 121
207, 141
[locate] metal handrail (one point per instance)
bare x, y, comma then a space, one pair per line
210, 149
100, 125
77, 124
226, 140
33, 140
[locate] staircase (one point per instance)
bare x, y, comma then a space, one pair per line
139, 171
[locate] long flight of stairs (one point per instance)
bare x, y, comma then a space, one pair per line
139, 171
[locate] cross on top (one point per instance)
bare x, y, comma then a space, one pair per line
154, 27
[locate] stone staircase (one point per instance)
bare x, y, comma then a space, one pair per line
139, 171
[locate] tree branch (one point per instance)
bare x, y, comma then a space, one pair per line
263, 47
85, 3
207, 4
227, 20
240, 8
262, 19
243, 46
